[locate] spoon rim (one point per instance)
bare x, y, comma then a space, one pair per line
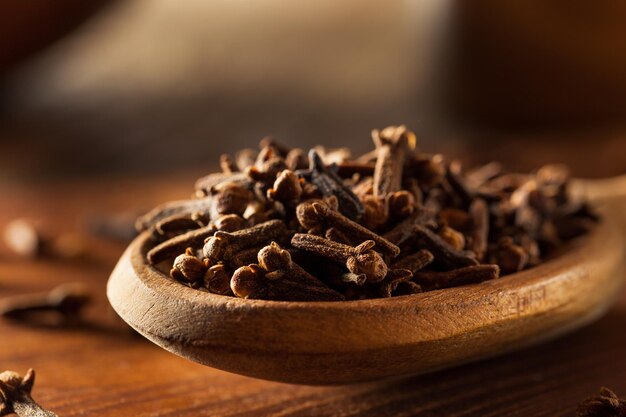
570, 250
351, 341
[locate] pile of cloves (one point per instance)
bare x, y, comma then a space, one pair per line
283, 224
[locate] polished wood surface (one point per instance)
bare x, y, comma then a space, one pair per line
356, 341
101, 368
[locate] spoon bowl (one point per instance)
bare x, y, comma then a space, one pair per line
352, 341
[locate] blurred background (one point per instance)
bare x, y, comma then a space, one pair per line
143, 87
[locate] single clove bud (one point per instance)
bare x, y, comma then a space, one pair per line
445, 253
415, 261
176, 245
229, 223
456, 277
178, 224
479, 214
376, 212
67, 301
217, 280
227, 164
401, 204
224, 245
604, 404
229, 198
360, 260
405, 230
187, 267
330, 184
453, 237
163, 211
15, 396
392, 145
509, 256
287, 188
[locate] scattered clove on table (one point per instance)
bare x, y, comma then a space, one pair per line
62, 304
605, 404
15, 396
27, 240
282, 224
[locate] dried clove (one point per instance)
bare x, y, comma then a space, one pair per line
179, 244
479, 235
229, 198
227, 164
509, 256
330, 184
224, 245
445, 254
359, 260
392, 144
65, 301
605, 404
229, 223
415, 261
15, 396
217, 280
188, 267
456, 277
281, 224
376, 213
178, 223
405, 230
401, 204
287, 188
148, 220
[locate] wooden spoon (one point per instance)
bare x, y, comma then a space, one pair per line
352, 341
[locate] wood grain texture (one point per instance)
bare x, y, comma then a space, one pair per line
355, 341
101, 369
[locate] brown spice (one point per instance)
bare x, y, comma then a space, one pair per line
393, 221
287, 188
15, 396
66, 302
392, 144
227, 164
230, 198
163, 211
445, 254
455, 277
604, 404
217, 280
415, 261
188, 267
179, 244
330, 184
479, 234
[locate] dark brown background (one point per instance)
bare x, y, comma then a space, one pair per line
128, 109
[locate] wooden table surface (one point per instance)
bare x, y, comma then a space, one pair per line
101, 368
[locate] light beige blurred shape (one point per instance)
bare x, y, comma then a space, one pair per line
346, 52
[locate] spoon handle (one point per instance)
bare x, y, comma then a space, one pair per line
601, 190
